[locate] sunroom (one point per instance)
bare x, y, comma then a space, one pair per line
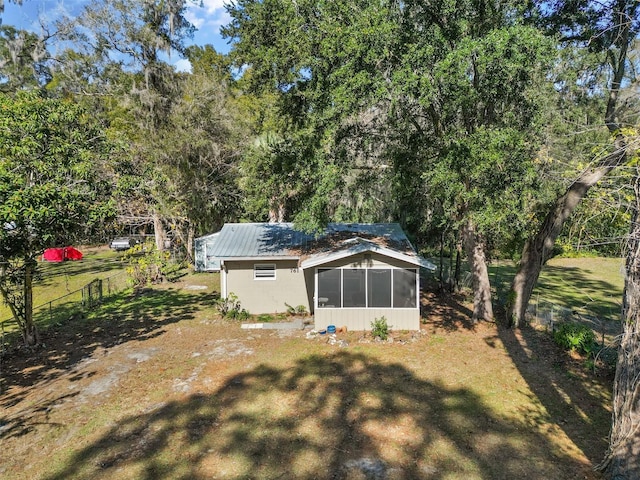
356, 285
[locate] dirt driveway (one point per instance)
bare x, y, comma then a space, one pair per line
157, 386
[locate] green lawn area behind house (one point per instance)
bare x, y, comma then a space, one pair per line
58, 287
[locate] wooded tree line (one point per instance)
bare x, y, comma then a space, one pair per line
487, 129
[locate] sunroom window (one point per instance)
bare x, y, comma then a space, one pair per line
367, 288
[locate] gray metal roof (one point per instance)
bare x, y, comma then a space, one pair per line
282, 240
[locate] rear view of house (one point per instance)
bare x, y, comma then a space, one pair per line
349, 275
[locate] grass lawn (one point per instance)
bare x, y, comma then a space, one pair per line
60, 283
589, 285
156, 386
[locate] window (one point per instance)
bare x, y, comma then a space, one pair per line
264, 271
404, 288
379, 287
367, 288
329, 288
354, 291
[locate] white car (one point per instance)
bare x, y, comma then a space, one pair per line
121, 243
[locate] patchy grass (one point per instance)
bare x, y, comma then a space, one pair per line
156, 385
591, 285
66, 278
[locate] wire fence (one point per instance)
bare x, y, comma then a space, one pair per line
66, 307
549, 315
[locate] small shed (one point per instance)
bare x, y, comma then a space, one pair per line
205, 261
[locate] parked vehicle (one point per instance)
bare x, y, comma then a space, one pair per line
122, 243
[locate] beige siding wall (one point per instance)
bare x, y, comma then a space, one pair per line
367, 261
267, 296
361, 318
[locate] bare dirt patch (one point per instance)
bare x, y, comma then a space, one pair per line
158, 386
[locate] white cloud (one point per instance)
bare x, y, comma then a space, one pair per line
183, 65
208, 17
193, 19
212, 6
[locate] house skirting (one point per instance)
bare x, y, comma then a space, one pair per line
360, 318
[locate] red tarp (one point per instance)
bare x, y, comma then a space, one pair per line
61, 254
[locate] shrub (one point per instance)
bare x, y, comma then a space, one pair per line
230, 308
147, 265
575, 336
380, 329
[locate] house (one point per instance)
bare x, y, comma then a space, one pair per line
347, 276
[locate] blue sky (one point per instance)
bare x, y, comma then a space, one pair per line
207, 16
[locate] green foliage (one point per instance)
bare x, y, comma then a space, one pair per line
147, 265
297, 310
380, 329
230, 308
52, 187
575, 336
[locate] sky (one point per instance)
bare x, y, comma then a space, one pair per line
206, 15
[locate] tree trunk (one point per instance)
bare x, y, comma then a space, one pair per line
277, 210
158, 230
456, 277
537, 250
475, 247
622, 461
28, 327
191, 233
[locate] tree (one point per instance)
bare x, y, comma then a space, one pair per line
442, 92
608, 28
622, 460
124, 41
50, 190
23, 59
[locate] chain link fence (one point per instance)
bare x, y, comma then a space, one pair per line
66, 307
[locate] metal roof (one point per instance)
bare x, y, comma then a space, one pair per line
251, 240
282, 240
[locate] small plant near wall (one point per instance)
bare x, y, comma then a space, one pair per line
380, 329
297, 310
230, 308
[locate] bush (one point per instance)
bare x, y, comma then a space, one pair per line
575, 336
147, 265
230, 308
380, 329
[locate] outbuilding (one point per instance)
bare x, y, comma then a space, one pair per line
348, 275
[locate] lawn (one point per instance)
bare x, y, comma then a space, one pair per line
155, 385
58, 288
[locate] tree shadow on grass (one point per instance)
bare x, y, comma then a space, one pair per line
445, 311
49, 271
574, 398
338, 416
121, 318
